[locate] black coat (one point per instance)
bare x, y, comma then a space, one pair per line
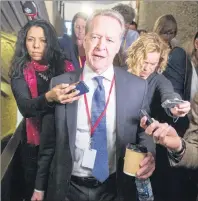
179, 72
160, 89
70, 50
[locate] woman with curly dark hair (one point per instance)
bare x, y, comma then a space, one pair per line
37, 59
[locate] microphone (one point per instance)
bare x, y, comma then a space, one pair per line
30, 10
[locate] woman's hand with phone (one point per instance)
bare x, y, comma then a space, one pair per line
63, 93
181, 109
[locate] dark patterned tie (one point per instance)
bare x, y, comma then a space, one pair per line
99, 139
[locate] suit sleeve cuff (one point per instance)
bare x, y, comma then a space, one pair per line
49, 104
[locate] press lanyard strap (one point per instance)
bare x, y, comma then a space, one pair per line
93, 128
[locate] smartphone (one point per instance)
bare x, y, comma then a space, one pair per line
171, 103
149, 119
82, 87
148, 122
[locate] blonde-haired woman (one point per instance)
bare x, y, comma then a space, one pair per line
148, 45
147, 58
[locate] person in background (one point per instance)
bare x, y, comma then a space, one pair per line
179, 68
130, 35
102, 178
36, 60
73, 47
133, 26
182, 152
177, 71
166, 27
147, 58
192, 74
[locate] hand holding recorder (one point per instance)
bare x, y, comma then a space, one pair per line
67, 93
163, 133
178, 108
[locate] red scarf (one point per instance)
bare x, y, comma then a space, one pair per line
33, 123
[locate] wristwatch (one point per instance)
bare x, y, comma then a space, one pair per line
178, 153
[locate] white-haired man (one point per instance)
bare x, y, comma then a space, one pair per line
92, 133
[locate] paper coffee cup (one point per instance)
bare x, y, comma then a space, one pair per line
133, 156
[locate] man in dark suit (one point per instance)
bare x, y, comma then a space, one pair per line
88, 147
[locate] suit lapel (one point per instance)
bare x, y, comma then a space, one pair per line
71, 110
121, 94
71, 116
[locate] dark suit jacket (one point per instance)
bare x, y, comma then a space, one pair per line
70, 50
130, 98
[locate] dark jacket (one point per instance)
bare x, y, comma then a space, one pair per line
179, 72
59, 145
160, 89
29, 107
70, 50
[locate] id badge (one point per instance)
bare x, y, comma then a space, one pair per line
89, 158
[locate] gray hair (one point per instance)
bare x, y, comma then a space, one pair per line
108, 13
126, 11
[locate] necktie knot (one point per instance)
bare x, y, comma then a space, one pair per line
99, 80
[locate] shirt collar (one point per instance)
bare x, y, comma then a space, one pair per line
89, 74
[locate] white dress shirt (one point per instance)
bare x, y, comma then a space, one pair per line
83, 128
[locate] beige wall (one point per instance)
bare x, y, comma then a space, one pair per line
185, 12
72, 8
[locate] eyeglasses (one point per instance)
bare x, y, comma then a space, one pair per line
168, 33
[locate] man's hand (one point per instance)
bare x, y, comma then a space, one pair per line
37, 196
181, 109
147, 166
62, 93
163, 133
